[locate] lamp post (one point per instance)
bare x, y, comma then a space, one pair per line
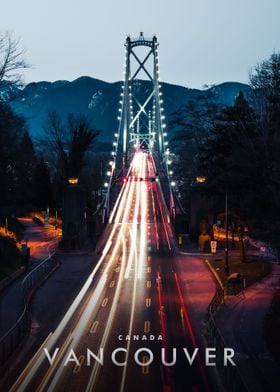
226, 224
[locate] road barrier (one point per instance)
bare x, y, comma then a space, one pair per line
16, 333
230, 376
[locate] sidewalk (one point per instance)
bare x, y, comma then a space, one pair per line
198, 288
240, 322
11, 301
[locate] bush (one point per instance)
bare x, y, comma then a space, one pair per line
10, 255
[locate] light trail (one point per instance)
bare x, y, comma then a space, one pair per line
191, 333
132, 313
109, 324
151, 174
124, 208
144, 220
113, 248
134, 231
163, 333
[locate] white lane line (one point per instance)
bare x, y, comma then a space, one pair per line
94, 327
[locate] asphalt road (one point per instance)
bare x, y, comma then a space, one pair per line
132, 302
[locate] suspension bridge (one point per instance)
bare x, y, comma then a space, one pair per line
128, 329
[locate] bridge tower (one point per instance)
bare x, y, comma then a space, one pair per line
141, 118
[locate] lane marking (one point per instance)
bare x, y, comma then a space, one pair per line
147, 326
77, 368
145, 368
94, 326
149, 258
149, 269
148, 302
104, 302
112, 284
149, 284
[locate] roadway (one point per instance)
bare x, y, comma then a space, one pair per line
132, 300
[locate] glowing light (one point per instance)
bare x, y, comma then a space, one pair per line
173, 183
200, 179
73, 180
106, 184
168, 162
171, 172
108, 173
165, 134
116, 134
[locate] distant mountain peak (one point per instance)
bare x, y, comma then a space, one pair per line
99, 101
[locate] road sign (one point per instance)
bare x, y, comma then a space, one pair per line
213, 246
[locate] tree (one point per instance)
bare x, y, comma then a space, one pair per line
191, 125
265, 81
11, 60
12, 128
81, 137
42, 185
69, 144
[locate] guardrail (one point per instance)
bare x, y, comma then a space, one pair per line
230, 376
16, 333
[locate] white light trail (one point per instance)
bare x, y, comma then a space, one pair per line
144, 218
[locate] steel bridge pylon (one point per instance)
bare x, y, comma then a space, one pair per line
141, 118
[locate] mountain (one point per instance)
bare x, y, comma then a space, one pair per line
99, 101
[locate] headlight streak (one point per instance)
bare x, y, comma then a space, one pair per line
119, 230
132, 312
152, 173
133, 232
103, 343
96, 294
124, 188
144, 220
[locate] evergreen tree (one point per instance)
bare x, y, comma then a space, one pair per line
42, 185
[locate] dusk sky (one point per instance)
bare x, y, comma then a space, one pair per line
201, 41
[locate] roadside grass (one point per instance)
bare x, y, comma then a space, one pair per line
251, 271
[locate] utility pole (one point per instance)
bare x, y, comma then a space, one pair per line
226, 224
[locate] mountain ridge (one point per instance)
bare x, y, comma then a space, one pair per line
99, 100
